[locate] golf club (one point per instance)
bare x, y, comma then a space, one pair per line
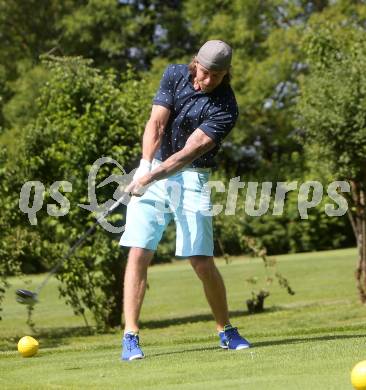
30, 298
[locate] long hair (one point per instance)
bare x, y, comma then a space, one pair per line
192, 70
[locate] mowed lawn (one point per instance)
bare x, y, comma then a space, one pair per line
307, 341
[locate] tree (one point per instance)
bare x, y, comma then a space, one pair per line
27, 30
115, 33
332, 110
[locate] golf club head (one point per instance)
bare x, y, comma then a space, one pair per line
26, 297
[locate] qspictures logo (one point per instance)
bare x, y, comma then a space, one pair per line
257, 200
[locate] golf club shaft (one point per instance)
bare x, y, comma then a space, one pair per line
79, 241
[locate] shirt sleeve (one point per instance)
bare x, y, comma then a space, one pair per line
164, 95
219, 123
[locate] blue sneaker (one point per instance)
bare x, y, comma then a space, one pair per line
231, 339
130, 347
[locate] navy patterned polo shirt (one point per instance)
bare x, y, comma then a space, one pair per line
215, 113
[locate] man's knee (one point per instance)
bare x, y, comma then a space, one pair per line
140, 255
204, 266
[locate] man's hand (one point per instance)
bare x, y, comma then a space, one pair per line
135, 188
139, 186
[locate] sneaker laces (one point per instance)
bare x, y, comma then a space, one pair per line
231, 332
132, 341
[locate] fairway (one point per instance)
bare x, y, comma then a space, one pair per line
307, 341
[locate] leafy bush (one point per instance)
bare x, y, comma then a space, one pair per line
83, 114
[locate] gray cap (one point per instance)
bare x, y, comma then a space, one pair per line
215, 55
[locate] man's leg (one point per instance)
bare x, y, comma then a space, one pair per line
214, 288
135, 286
215, 291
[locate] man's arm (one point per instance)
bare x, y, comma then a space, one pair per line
154, 130
197, 144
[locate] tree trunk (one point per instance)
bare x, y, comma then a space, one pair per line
358, 221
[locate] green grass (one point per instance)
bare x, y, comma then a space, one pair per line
307, 341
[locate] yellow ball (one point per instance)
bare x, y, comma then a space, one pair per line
358, 376
28, 346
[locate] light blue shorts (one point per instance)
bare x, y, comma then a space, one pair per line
182, 197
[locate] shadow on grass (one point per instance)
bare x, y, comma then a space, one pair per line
201, 318
192, 319
201, 349
50, 337
300, 340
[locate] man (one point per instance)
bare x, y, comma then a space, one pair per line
193, 110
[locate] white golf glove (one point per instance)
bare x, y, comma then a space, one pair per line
143, 169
